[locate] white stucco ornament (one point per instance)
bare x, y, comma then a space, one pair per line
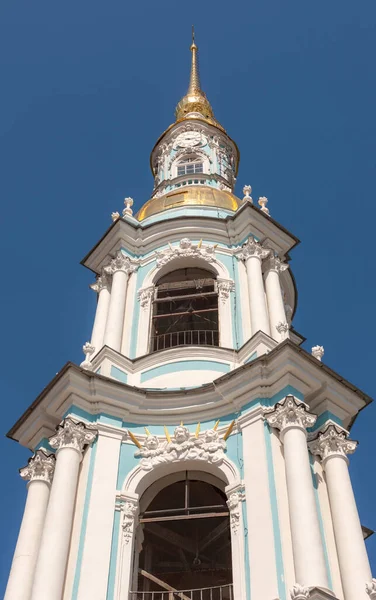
145, 296
88, 350
234, 503
185, 249
299, 592
70, 434
129, 511
40, 467
263, 202
247, 189
115, 216
128, 202
102, 282
282, 327
225, 287
121, 262
290, 413
318, 352
182, 446
371, 589
332, 442
252, 247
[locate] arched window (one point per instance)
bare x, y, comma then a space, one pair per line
186, 544
190, 166
185, 310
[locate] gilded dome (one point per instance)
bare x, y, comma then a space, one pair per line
195, 195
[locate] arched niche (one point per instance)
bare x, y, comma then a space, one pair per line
146, 295
139, 490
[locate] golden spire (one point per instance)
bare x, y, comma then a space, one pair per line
195, 105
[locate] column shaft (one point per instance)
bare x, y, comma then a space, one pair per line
25, 555
114, 327
257, 302
352, 554
100, 320
275, 302
310, 569
52, 559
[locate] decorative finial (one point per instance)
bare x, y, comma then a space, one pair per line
193, 34
318, 352
127, 210
115, 216
247, 189
263, 202
194, 82
88, 350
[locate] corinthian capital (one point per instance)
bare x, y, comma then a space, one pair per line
290, 413
274, 263
252, 248
101, 283
40, 467
121, 263
299, 592
332, 442
371, 589
70, 434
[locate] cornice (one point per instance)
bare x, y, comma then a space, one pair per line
139, 239
286, 365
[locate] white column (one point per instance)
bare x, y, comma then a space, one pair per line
252, 253
97, 547
69, 442
333, 446
119, 268
292, 418
102, 287
277, 314
39, 472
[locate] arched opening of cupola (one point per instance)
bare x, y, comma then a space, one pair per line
184, 541
185, 310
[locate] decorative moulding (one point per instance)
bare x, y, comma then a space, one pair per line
40, 467
185, 249
182, 446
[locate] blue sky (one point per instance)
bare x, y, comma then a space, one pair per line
87, 88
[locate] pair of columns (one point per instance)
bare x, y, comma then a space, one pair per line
292, 418
40, 559
266, 304
111, 287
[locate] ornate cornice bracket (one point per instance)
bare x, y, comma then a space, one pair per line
332, 442
72, 434
40, 467
252, 247
290, 413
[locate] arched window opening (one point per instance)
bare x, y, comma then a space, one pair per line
185, 310
190, 165
186, 547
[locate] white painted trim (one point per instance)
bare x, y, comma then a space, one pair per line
128, 312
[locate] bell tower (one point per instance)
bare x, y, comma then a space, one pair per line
198, 452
